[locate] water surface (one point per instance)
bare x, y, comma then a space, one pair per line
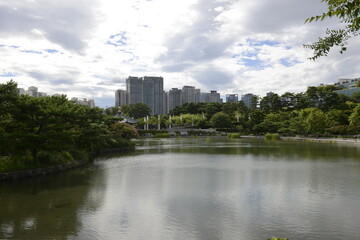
194, 188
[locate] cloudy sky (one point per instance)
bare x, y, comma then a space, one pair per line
86, 48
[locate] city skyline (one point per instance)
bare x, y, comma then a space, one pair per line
88, 48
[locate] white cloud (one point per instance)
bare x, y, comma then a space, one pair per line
87, 48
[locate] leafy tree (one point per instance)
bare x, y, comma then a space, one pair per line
314, 120
348, 12
220, 120
355, 116
123, 130
337, 117
137, 110
254, 102
356, 96
255, 118
229, 108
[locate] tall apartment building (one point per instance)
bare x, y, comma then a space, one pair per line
214, 97
188, 95
204, 97
197, 95
175, 98
134, 89
147, 90
153, 89
247, 99
120, 98
233, 98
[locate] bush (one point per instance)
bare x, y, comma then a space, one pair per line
272, 136
233, 135
123, 130
162, 135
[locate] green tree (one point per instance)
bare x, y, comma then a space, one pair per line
337, 117
314, 120
356, 96
220, 120
355, 116
348, 12
137, 110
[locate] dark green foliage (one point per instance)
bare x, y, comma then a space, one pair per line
272, 136
162, 135
36, 132
137, 110
123, 130
221, 120
356, 95
233, 135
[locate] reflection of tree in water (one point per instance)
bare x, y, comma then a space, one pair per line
47, 206
286, 150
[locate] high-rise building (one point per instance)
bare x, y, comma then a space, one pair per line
147, 90
247, 98
175, 98
165, 102
233, 98
204, 97
32, 91
134, 89
120, 98
188, 94
197, 95
153, 89
214, 97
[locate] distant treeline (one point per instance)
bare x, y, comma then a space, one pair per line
317, 112
38, 132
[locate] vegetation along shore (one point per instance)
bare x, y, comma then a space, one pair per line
40, 133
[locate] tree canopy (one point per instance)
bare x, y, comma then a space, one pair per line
348, 12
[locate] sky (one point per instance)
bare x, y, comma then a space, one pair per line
87, 48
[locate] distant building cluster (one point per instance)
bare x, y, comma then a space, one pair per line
347, 82
349, 85
33, 92
150, 91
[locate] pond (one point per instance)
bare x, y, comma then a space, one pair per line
194, 188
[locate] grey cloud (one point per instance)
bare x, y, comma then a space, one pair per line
67, 23
113, 82
65, 78
213, 78
275, 15
197, 43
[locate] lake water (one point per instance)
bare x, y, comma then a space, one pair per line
194, 188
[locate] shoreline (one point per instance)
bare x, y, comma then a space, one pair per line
312, 139
35, 172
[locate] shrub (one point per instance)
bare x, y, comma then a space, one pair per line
233, 135
272, 136
162, 135
123, 130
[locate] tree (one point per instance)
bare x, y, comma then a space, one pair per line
348, 12
314, 120
355, 116
220, 120
137, 110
